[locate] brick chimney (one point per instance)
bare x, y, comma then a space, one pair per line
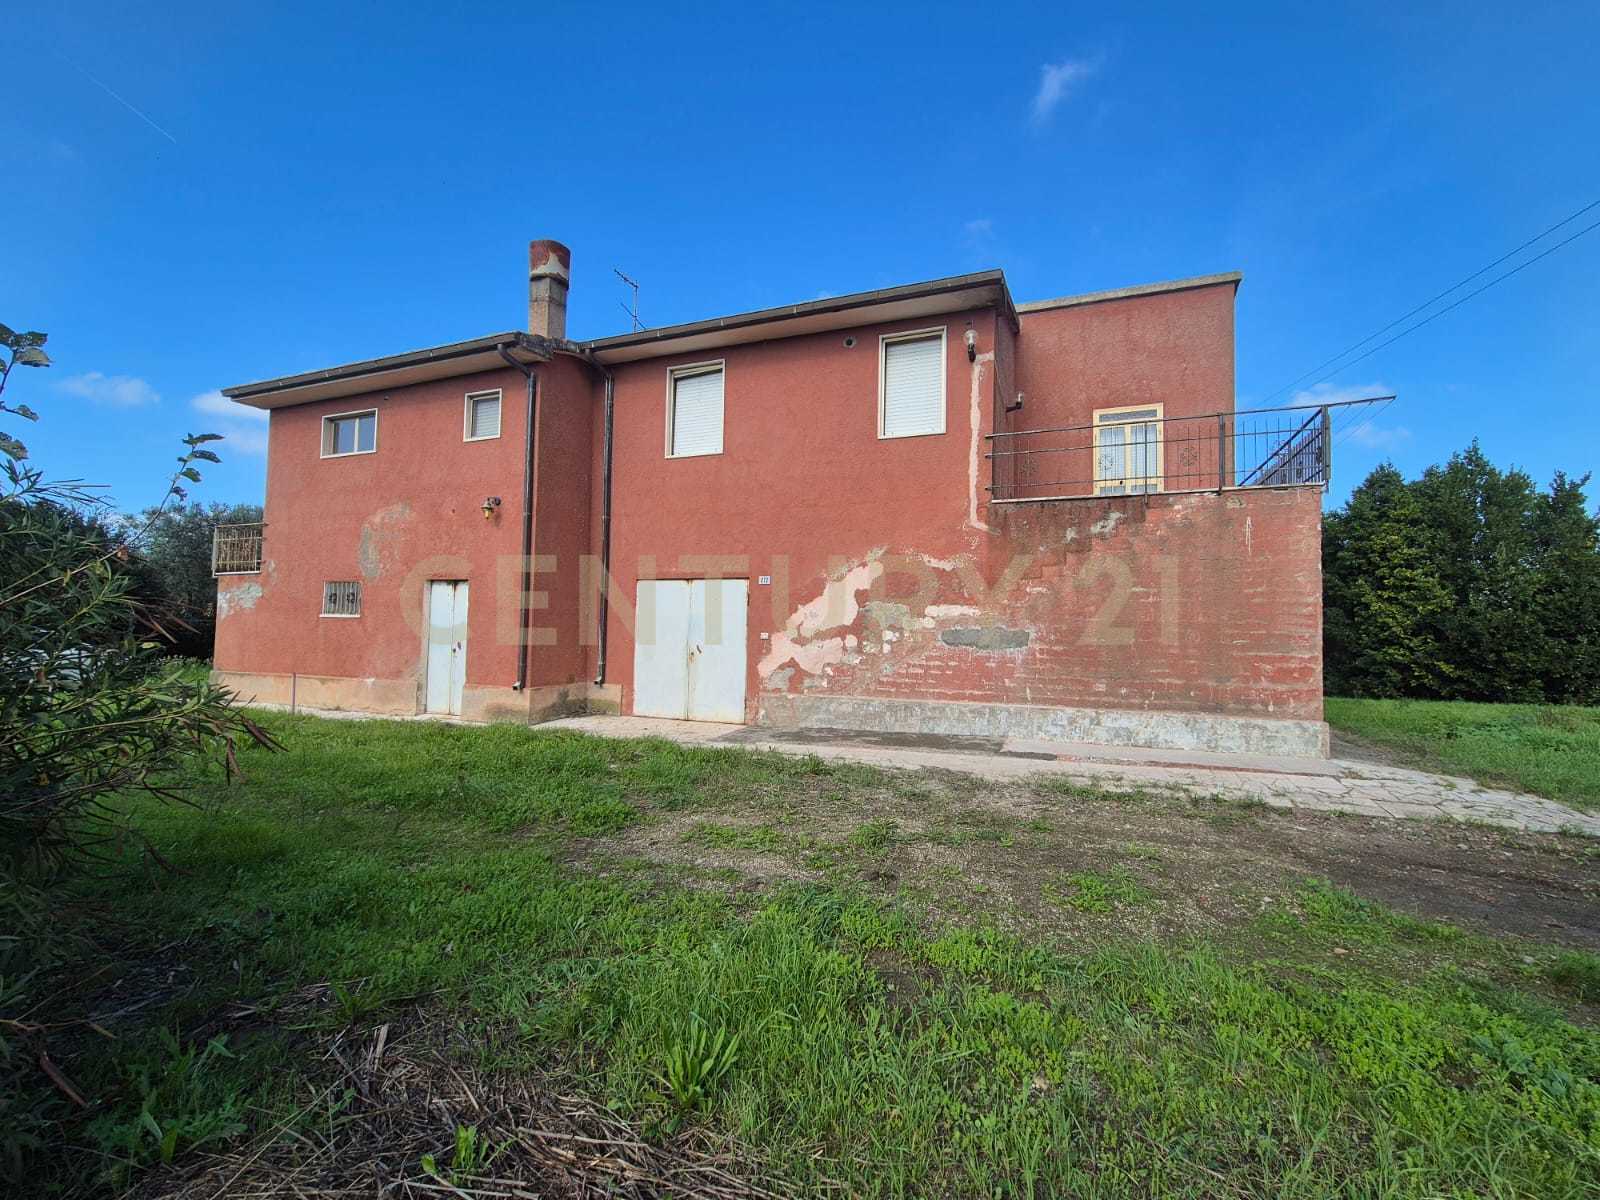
549, 267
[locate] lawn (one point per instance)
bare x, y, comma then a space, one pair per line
405, 951
1551, 751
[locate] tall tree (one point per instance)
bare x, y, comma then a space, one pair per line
1467, 583
1567, 546
1384, 603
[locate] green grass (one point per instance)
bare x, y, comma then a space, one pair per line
375, 863
1546, 750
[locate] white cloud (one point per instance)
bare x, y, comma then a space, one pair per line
1370, 436
118, 391
1056, 82
244, 429
219, 405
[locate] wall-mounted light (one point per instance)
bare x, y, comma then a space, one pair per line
972, 346
489, 505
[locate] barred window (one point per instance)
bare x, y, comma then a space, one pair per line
341, 598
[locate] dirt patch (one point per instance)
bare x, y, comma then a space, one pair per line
1032, 855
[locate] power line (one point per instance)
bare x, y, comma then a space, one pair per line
1452, 288
1464, 299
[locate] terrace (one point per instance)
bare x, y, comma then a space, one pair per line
1137, 450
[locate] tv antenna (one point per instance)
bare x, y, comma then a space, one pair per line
633, 312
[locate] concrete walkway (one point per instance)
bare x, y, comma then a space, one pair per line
1325, 785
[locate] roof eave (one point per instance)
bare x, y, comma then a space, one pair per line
395, 370
953, 293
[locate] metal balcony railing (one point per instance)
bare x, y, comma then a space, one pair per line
1137, 450
236, 549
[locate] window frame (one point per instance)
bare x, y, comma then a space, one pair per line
466, 416
338, 616
359, 412
1149, 484
914, 335
686, 371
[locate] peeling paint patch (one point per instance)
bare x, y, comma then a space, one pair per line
941, 612
241, 598
378, 534
940, 564
1106, 523
886, 614
1071, 535
1249, 533
778, 680
837, 605
987, 637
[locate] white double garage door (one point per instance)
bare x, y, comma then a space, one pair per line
689, 656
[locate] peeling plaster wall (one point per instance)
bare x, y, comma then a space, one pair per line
1203, 603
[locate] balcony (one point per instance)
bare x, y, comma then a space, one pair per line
1135, 450
236, 549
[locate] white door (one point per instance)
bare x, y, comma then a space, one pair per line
661, 633
447, 645
689, 649
717, 649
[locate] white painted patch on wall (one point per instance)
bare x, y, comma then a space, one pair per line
974, 455
1106, 523
940, 612
1249, 532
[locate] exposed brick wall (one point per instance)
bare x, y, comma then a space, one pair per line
1198, 603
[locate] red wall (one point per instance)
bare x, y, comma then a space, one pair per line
803, 482
393, 519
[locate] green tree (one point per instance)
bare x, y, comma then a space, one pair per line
1467, 583
172, 567
1567, 548
1384, 602
1480, 535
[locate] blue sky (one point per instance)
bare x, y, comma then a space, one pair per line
210, 194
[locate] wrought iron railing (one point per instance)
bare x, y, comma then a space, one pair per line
236, 549
1136, 450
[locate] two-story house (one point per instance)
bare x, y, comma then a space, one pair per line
921, 509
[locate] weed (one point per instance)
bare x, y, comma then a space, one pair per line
185, 1099
1092, 892
1578, 972
873, 837
761, 838
471, 1156
696, 1065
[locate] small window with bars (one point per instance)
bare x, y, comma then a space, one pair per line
349, 433
483, 416
341, 598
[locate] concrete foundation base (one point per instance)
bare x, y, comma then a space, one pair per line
1101, 726
403, 697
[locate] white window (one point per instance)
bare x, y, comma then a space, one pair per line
341, 598
911, 384
694, 410
349, 433
483, 416
1127, 450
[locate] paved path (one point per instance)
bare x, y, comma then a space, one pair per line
1328, 785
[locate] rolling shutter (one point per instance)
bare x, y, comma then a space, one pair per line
697, 413
484, 418
913, 387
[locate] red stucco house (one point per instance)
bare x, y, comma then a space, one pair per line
921, 509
